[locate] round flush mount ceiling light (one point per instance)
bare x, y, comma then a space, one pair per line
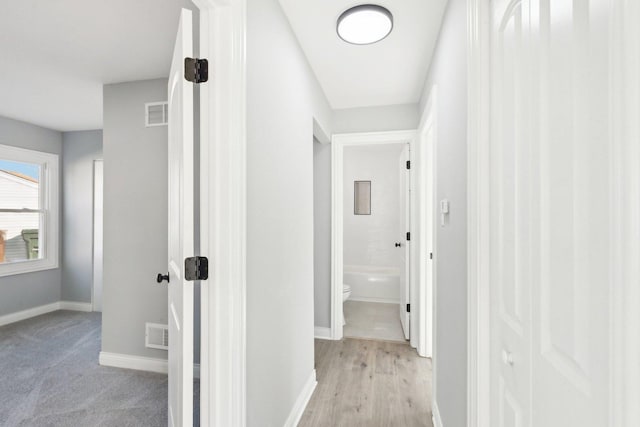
364, 24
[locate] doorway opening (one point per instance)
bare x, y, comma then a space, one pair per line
376, 241
377, 257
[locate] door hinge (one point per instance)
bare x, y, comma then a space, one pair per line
408, 236
196, 70
196, 268
430, 255
408, 164
408, 308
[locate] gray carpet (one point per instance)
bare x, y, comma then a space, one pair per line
49, 376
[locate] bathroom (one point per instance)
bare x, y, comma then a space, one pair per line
375, 247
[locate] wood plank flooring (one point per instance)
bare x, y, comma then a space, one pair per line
369, 383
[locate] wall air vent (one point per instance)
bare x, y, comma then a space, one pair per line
157, 336
156, 114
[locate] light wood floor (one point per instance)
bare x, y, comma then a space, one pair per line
369, 383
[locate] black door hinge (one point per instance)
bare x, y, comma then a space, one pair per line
408, 308
408, 164
430, 255
196, 268
408, 236
196, 70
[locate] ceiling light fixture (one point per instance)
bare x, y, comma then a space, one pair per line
364, 24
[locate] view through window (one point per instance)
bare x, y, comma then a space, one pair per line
21, 211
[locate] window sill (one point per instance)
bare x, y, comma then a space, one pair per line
27, 267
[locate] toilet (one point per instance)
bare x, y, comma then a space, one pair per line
346, 293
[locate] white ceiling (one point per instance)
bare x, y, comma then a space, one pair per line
56, 55
390, 72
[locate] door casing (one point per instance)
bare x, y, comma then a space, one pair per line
97, 282
426, 227
338, 143
223, 213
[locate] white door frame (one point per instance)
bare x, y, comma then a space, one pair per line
625, 203
97, 257
625, 207
426, 286
478, 211
338, 143
223, 213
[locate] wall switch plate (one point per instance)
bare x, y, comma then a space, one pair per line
444, 211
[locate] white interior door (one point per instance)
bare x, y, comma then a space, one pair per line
549, 259
405, 213
98, 175
181, 230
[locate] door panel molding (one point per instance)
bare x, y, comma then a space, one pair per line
509, 402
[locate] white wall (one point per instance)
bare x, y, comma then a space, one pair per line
135, 217
376, 119
322, 233
23, 291
369, 239
449, 72
283, 97
79, 149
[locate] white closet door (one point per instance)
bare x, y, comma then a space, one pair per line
510, 220
549, 248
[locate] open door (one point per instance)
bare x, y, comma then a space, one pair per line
405, 211
181, 230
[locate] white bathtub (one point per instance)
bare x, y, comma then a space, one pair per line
373, 284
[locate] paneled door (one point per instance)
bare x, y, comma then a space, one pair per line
181, 230
550, 218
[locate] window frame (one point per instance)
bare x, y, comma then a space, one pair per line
49, 194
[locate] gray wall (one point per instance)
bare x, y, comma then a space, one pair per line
28, 290
322, 233
79, 149
283, 98
135, 217
376, 119
449, 72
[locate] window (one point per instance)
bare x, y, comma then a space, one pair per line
28, 210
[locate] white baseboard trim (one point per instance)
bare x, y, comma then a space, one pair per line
44, 309
139, 363
371, 299
28, 313
437, 421
301, 402
76, 306
322, 333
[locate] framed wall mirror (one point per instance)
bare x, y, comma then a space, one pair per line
362, 197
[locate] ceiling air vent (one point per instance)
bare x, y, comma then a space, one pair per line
156, 113
157, 336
